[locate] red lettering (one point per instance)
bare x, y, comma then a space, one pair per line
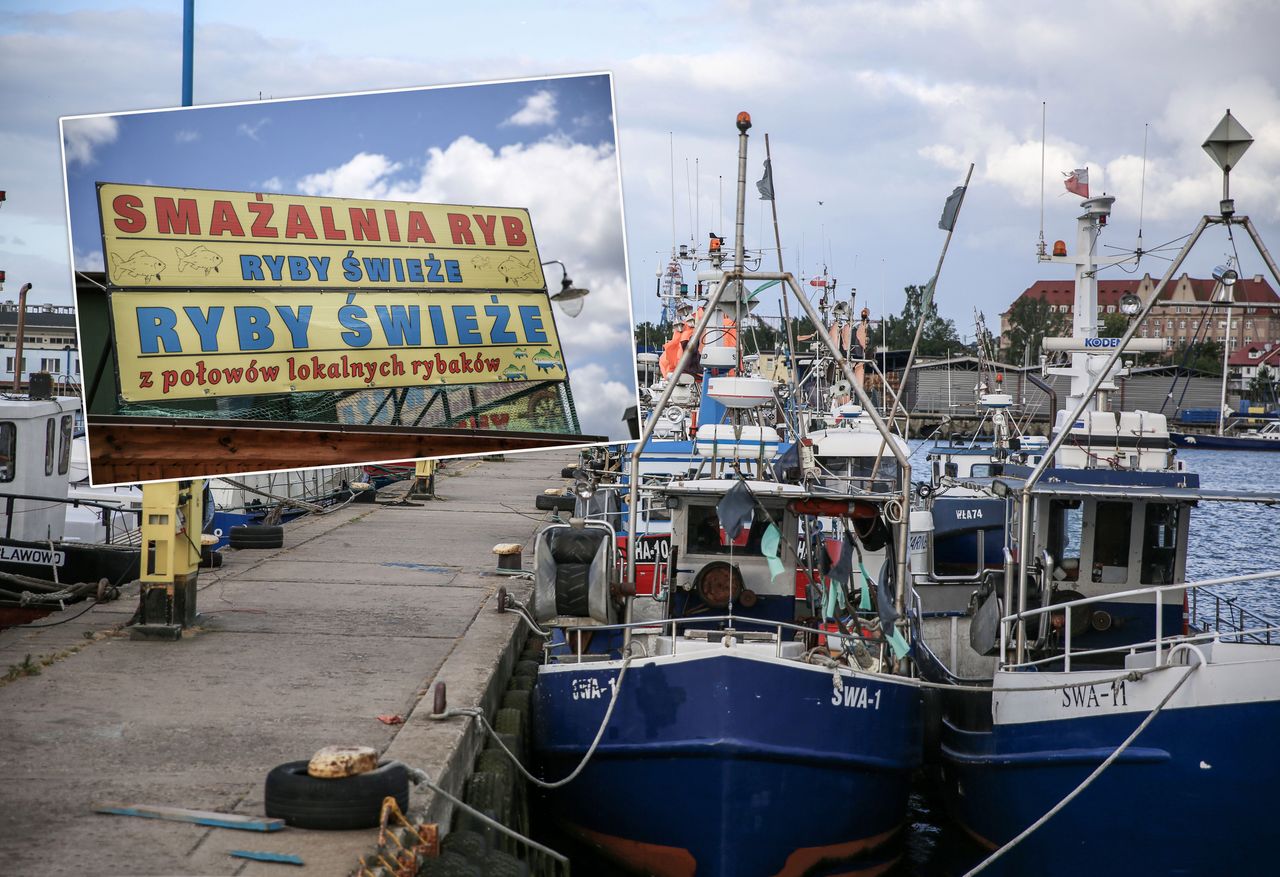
262, 211
364, 224
418, 228
224, 219
179, 218
130, 218
393, 225
486, 228
513, 228
297, 223
331, 233
144, 380
460, 228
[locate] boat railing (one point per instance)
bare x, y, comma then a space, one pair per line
757, 627
11, 498
1222, 612
1236, 624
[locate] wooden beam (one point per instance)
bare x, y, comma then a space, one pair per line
128, 449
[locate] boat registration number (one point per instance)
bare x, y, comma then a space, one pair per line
1095, 695
855, 697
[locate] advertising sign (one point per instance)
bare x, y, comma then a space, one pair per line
166, 238
243, 343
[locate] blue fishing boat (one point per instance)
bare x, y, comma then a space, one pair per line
1096, 711
711, 723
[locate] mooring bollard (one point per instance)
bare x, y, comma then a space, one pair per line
510, 561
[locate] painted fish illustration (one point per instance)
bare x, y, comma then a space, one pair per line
142, 265
521, 353
515, 271
480, 263
512, 373
545, 361
200, 259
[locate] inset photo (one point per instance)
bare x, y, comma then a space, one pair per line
350, 279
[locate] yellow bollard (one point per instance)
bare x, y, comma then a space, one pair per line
424, 480
172, 514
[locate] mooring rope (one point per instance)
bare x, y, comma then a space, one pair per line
421, 778
1097, 772
478, 714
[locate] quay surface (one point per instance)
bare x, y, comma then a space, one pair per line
299, 648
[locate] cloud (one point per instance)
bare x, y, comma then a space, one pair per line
539, 109
600, 402
186, 135
572, 194
272, 184
83, 136
251, 131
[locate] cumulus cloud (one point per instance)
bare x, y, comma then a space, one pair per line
186, 135
572, 194
251, 130
600, 401
82, 136
539, 109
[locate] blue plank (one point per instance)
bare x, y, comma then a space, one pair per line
282, 858
197, 817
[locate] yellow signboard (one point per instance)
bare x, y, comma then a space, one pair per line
199, 238
243, 343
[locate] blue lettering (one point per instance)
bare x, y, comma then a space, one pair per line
296, 324
415, 270
321, 266
377, 269
206, 326
275, 264
438, 332
500, 334
250, 268
464, 319
156, 328
401, 324
531, 319
251, 327
352, 318
298, 268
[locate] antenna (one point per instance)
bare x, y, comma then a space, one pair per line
671, 139
1043, 116
1142, 192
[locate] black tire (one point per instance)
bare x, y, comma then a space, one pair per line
210, 559
304, 801
470, 845
257, 536
517, 699
546, 502
486, 793
522, 683
449, 865
500, 864
526, 668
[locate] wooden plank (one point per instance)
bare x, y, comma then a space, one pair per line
282, 858
198, 817
143, 449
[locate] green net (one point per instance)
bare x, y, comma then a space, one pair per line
521, 406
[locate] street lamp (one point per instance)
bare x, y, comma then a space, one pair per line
570, 297
66, 350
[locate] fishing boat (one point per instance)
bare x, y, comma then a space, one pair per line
704, 722
1266, 438
1086, 689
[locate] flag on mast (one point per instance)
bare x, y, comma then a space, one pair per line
1077, 182
951, 209
765, 183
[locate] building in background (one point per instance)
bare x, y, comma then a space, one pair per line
48, 345
1175, 316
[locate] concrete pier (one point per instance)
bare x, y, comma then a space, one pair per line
299, 648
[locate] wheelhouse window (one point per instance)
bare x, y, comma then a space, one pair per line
1066, 520
1112, 523
1159, 544
706, 536
8, 450
64, 444
50, 436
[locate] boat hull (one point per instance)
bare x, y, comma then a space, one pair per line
1196, 777
717, 764
1211, 442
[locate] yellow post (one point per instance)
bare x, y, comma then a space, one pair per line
424, 483
172, 514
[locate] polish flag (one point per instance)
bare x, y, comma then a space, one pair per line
1077, 182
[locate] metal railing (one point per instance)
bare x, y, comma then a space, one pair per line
773, 629
1160, 643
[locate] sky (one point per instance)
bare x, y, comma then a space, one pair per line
874, 110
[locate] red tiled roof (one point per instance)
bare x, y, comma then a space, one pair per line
1263, 356
1062, 292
